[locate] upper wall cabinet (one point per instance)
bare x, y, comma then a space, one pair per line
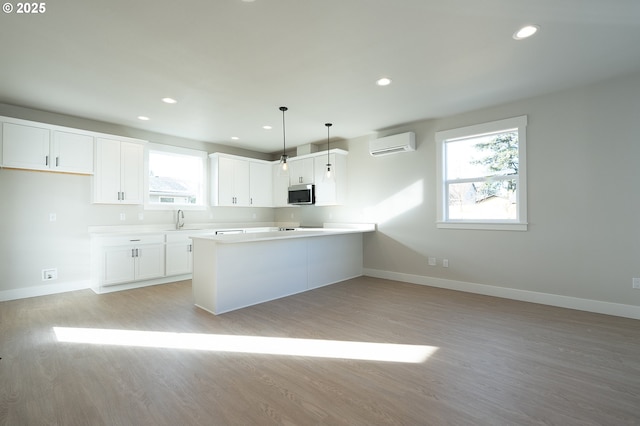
240, 182
119, 172
260, 184
229, 181
331, 190
35, 146
301, 171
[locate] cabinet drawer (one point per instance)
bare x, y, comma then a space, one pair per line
132, 240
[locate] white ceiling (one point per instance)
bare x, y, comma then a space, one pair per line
232, 63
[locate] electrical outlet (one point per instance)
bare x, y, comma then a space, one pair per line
432, 261
140, 216
123, 216
52, 217
635, 283
49, 274
445, 263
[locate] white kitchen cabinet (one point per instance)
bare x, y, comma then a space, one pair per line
179, 254
280, 186
229, 181
127, 259
238, 181
72, 152
25, 147
301, 170
119, 172
38, 147
260, 184
332, 191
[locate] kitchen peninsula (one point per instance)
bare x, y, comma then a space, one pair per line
232, 271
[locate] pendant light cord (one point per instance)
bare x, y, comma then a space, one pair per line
284, 136
328, 159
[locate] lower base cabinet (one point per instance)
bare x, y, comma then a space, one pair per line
134, 260
139, 258
179, 255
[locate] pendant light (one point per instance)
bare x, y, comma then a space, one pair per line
328, 175
283, 158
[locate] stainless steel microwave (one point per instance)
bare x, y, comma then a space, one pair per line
302, 194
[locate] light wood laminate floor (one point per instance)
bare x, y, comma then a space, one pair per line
498, 362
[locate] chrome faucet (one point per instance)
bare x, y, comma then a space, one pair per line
180, 220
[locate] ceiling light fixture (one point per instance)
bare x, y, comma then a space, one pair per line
143, 118
384, 81
525, 32
328, 174
267, 127
283, 158
234, 138
169, 101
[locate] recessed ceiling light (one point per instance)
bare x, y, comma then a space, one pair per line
525, 32
384, 81
169, 101
143, 118
267, 127
234, 138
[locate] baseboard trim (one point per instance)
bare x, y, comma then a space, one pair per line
596, 306
43, 290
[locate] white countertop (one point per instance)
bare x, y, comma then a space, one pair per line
251, 232
279, 235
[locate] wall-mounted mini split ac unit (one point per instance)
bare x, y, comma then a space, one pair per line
402, 142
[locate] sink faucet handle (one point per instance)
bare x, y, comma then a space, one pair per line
179, 219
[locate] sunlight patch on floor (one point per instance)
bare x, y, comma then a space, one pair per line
389, 352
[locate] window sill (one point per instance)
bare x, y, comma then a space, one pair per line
491, 226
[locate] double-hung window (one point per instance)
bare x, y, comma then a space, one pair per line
482, 176
175, 177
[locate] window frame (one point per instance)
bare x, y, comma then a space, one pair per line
170, 149
477, 130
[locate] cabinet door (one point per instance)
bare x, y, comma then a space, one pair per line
179, 258
225, 181
119, 265
107, 177
261, 184
25, 147
325, 188
72, 152
149, 261
331, 191
301, 171
280, 187
241, 183
131, 172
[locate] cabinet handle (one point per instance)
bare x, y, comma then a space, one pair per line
190, 248
137, 253
133, 252
46, 160
251, 200
57, 161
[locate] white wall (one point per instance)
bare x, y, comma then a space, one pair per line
583, 149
